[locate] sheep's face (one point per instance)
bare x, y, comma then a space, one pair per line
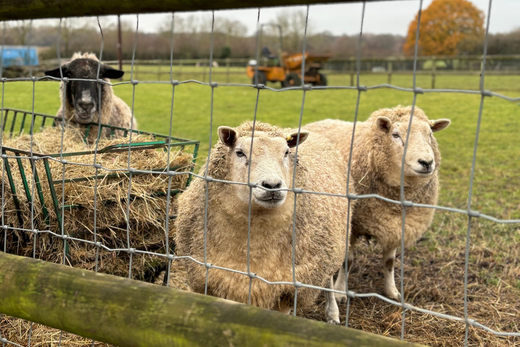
84, 96
422, 147
269, 165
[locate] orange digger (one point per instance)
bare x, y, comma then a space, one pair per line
288, 69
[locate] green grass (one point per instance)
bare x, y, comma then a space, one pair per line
223, 74
497, 175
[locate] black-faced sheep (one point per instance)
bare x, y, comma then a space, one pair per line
81, 101
321, 221
376, 169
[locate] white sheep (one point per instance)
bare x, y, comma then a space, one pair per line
81, 101
376, 169
321, 221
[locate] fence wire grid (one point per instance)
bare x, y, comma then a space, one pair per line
171, 257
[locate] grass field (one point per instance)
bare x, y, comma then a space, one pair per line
434, 268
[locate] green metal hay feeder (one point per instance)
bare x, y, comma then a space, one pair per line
15, 122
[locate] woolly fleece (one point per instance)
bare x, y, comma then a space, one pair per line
321, 225
370, 172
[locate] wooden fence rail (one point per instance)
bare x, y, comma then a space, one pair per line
125, 312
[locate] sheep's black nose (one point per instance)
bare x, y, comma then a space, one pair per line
426, 164
86, 106
271, 185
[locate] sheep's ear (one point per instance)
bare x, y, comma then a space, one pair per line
292, 140
109, 72
56, 72
439, 124
383, 124
227, 135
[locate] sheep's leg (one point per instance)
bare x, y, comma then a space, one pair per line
341, 283
331, 306
388, 269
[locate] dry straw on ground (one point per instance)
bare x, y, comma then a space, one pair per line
434, 280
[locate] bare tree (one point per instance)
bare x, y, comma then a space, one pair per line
293, 28
21, 31
70, 27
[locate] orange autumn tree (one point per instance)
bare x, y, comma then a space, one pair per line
448, 27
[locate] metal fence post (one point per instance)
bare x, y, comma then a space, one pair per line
227, 70
389, 72
434, 68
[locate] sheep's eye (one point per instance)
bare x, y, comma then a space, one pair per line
395, 135
240, 153
286, 153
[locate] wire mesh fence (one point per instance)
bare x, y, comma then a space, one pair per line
92, 243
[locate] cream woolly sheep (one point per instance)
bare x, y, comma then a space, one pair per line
321, 221
82, 99
376, 169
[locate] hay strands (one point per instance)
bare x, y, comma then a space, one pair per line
10, 152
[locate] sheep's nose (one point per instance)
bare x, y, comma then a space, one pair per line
86, 106
426, 164
272, 185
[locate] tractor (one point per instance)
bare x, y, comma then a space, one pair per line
287, 68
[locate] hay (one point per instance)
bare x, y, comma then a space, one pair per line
147, 213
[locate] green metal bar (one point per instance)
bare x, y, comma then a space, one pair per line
195, 153
2, 118
43, 122
55, 118
53, 191
40, 192
23, 122
24, 178
100, 131
12, 124
13, 190
36, 113
116, 149
136, 145
6, 116
33, 120
55, 202
86, 133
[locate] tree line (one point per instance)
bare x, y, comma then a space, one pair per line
443, 31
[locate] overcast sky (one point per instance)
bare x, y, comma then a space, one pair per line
380, 17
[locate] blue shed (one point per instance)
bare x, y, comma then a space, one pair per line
19, 55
